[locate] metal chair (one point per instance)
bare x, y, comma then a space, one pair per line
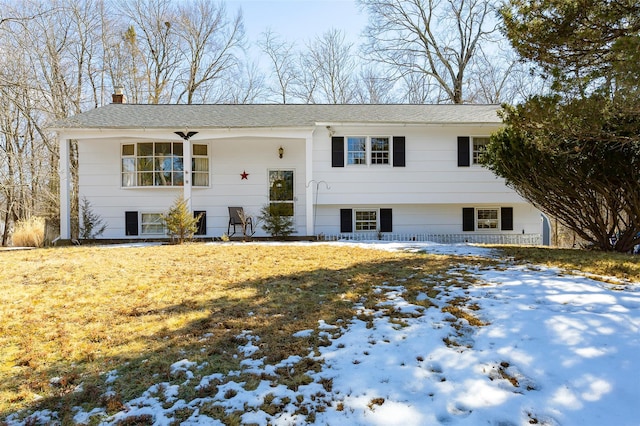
238, 218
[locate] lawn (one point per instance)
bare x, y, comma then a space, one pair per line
94, 328
75, 313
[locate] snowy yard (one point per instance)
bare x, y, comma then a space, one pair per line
550, 349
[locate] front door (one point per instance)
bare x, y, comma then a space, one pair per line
281, 191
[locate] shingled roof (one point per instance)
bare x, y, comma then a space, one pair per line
131, 116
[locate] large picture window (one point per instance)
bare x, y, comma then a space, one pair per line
162, 164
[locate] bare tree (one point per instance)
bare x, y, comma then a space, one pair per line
489, 79
434, 38
283, 61
499, 76
210, 46
331, 60
245, 86
25, 156
152, 41
373, 87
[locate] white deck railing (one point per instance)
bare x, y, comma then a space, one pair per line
516, 239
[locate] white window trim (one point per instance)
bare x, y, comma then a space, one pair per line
294, 202
355, 221
208, 157
154, 187
488, 230
472, 151
368, 151
142, 223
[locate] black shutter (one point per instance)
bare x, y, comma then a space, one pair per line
398, 151
506, 218
202, 222
346, 221
468, 218
386, 221
464, 154
337, 151
131, 223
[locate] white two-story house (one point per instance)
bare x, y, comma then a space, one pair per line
406, 172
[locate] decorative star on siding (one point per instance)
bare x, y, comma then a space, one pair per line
244, 175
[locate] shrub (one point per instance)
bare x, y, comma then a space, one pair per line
180, 222
277, 222
92, 224
29, 233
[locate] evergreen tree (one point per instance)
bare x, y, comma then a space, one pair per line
92, 225
180, 222
276, 220
575, 153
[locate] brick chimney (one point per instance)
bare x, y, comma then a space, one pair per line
118, 95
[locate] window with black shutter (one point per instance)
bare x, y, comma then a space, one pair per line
399, 151
506, 218
468, 219
346, 220
386, 220
202, 222
337, 151
131, 223
464, 153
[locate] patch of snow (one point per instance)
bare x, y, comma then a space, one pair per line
303, 333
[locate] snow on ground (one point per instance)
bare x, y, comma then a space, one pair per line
557, 350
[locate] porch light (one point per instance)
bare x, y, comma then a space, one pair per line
280, 151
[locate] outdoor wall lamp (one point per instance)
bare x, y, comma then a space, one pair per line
280, 152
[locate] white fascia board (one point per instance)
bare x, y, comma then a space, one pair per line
426, 124
169, 135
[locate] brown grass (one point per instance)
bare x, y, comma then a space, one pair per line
72, 314
29, 233
76, 313
619, 265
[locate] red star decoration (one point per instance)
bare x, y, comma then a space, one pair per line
244, 175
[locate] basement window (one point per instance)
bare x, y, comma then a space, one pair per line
153, 224
486, 219
366, 220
